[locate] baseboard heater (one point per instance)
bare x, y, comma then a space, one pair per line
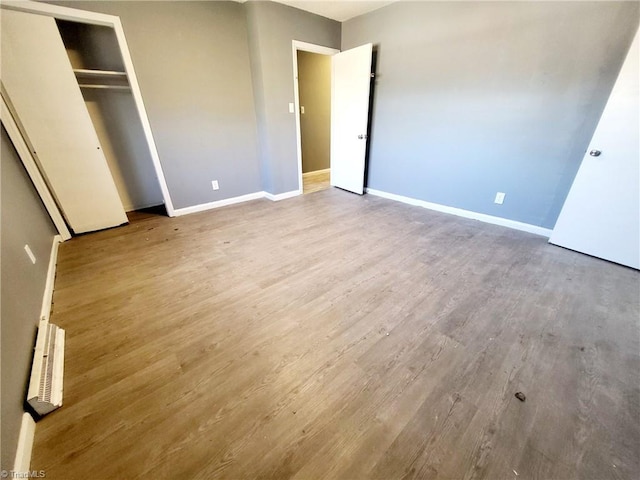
45, 385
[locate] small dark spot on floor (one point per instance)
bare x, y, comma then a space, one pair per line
521, 396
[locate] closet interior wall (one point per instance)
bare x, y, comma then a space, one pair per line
95, 57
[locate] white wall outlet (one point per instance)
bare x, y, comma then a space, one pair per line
499, 198
214, 184
32, 257
302, 110
292, 108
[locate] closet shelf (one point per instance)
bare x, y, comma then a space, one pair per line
110, 79
84, 72
112, 87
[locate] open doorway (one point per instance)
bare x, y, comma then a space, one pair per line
312, 85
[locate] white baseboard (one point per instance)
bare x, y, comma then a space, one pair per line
47, 298
231, 201
22, 462
503, 222
316, 172
220, 203
28, 426
281, 196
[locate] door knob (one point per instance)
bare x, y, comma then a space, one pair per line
595, 153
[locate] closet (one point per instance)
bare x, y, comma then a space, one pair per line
99, 70
68, 91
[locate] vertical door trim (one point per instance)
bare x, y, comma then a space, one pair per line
305, 47
29, 163
93, 18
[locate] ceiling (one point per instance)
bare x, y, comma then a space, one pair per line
337, 10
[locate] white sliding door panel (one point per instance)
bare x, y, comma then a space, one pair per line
44, 94
350, 84
601, 216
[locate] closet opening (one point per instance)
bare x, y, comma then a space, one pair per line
96, 60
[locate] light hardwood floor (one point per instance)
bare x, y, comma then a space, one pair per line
316, 181
344, 337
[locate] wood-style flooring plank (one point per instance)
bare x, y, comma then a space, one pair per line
339, 336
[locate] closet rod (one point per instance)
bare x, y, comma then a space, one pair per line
112, 87
98, 73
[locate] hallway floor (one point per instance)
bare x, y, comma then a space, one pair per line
316, 181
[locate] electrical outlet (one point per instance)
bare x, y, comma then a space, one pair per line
302, 110
499, 198
214, 184
32, 257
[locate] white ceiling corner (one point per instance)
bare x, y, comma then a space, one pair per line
337, 10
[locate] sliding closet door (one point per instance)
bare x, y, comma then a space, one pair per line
43, 92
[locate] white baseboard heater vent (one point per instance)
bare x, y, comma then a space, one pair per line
45, 385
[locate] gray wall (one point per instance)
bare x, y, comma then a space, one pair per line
192, 62
23, 221
314, 85
272, 27
475, 97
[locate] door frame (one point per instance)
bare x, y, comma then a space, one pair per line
112, 21
312, 48
11, 126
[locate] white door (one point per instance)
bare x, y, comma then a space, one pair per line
350, 82
601, 216
42, 90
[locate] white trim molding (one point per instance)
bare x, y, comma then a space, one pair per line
19, 143
47, 298
281, 196
217, 204
482, 217
233, 200
316, 172
22, 462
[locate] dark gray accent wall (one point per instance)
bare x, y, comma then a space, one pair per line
272, 28
192, 63
23, 221
473, 98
